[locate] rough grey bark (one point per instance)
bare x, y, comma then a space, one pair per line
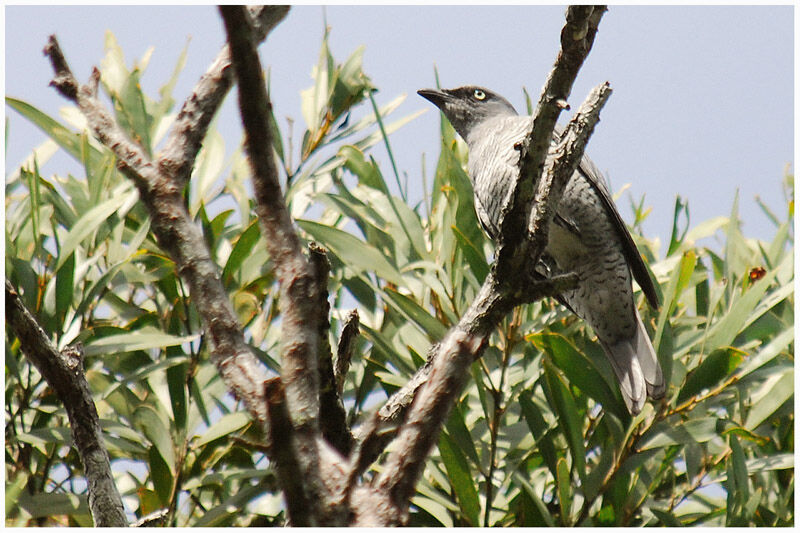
303, 283
64, 372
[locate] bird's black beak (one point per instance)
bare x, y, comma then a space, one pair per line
438, 98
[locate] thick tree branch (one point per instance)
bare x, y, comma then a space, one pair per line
300, 286
65, 374
298, 290
179, 236
191, 125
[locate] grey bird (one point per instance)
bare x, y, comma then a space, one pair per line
587, 236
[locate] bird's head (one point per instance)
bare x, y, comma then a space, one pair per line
467, 107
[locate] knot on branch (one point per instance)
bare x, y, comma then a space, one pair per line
73, 357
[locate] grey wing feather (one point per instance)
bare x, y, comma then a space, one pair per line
635, 261
637, 266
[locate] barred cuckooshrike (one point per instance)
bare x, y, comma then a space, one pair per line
587, 236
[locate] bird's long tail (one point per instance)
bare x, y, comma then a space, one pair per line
636, 366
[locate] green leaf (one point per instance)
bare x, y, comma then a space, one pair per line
161, 475
60, 436
540, 431
739, 467
149, 501
157, 432
224, 426
777, 390
675, 240
51, 504
34, 179
666, 517
368, 173
737, 485
474, 256
176, 383
428, 323
367, 120
439, 512
782, 461
68, 140
599, 471
767, 353
13, 488
677, 283
580, 370
207, 170
165, 91
461, 479
65, 280
570, 422
714, 368
125, 195
241, 250
144, 339
564, 483
540, 514
671, 431
112, 67
97, 287
724, 332
132, 111
356, 254
231, 507
457, 430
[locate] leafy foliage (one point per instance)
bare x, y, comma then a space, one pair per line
540, 436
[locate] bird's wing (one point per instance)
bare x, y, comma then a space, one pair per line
635, 261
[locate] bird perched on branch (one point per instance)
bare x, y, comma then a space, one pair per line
587, 235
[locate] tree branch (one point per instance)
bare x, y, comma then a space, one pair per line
191, 125
449, 373
300, 287
65, 374
282, 446
179, 236
332, 416
567, 156
577, 37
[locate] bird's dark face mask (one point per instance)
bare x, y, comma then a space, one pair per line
466, 107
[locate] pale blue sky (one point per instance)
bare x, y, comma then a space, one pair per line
703, 96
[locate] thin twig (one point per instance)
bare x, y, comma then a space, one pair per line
332, 416
344, 351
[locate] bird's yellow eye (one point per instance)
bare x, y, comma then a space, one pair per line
479, 95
